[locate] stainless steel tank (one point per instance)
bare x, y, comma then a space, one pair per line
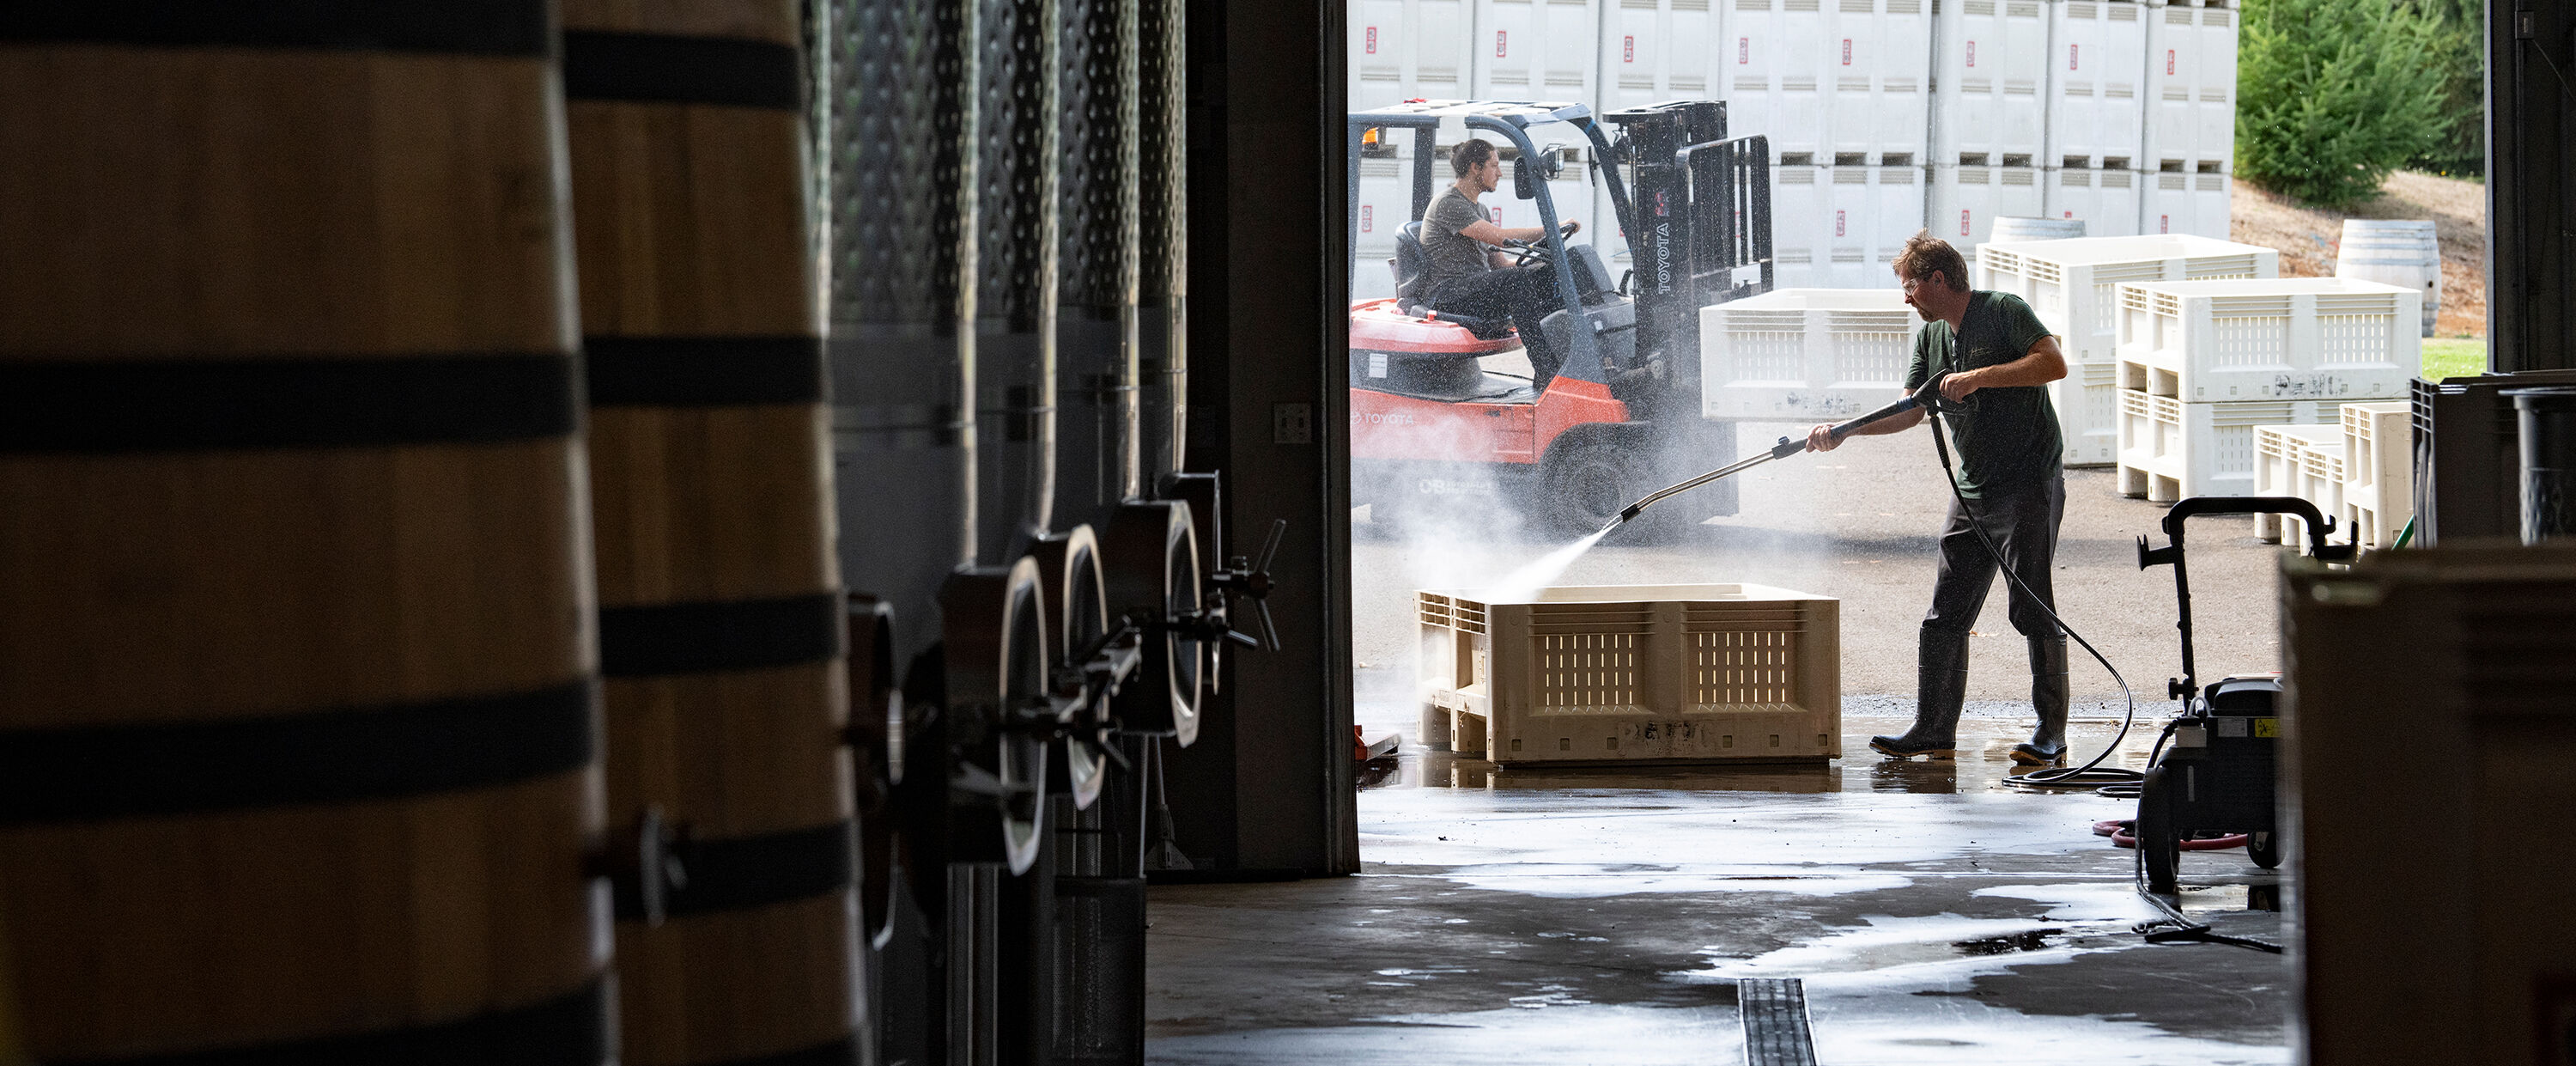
1015, 300
1162, 298
902, 299
1096, 314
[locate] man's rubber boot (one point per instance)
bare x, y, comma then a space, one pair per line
1940, 689
2048, 697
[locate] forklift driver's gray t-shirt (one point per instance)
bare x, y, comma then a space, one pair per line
1445, 254
2008, 438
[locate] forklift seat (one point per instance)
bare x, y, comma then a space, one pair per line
1408, 273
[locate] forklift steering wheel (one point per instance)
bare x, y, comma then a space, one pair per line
1526, 252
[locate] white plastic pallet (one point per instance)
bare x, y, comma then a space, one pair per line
2319, 481
2106, 200
1805, 355
2170, 449
2332, 339
2278, 466
1990, 63
2071, 283
2097, 66
2378, 471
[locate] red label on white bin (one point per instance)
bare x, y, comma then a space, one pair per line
1366, 219
2164, 223
1838, 223
1628, 48
1846, 51
1963, 222
1372, 40
1972, 53
1500, 40
2070, 56
2169, 60
1743, 50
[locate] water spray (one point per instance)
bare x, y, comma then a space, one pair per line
1927, 398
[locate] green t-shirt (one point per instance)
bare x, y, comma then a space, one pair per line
2008, 438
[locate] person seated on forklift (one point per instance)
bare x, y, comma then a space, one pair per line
2008, 447
1463, 273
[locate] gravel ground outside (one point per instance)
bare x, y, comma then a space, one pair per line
2307, 236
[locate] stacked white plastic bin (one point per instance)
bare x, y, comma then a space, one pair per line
1543, 50
2190, 131
1804, 355
1399, 50
2204, 362
1990, 61
2097, 66
1653, 51
2072, 285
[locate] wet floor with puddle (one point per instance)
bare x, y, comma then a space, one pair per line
1573, 916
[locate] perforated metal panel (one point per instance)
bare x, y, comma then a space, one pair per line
1015, 210
1162, 207
1098, 128
903, 190
901, 122
1096, 316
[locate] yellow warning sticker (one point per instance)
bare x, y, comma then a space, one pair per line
2267, 727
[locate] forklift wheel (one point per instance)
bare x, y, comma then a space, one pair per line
2264, 849
1588, 477
2159, 841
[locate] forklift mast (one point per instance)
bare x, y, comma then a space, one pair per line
1698, 209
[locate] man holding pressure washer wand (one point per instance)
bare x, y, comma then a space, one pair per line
2009, 483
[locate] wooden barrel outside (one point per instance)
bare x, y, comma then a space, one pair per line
298, 727
721, 612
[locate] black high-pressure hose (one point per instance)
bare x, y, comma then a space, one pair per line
2114, 782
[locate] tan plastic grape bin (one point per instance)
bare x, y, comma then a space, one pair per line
1633, 674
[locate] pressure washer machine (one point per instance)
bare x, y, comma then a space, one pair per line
2218, 775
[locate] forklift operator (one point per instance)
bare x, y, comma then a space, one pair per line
2009, 452
1463, 274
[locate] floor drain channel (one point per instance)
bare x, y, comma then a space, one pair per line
1775, 1022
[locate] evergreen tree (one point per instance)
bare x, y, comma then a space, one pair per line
2457, 48
2332, 95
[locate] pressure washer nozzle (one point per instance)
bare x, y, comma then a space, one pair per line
1633, 511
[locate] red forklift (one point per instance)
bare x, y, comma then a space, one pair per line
1433, 427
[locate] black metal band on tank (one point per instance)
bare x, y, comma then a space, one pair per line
838, 1051
696, 638
456, 27
665, 69
740, 873
704, 371
223, 405
570, 1030
340, 756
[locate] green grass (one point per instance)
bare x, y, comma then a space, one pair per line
2454, 357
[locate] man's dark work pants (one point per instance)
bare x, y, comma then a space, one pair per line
1527, 295
2023, 525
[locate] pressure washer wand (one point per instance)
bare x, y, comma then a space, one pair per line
1928, 397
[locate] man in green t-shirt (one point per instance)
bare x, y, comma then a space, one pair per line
2000, 358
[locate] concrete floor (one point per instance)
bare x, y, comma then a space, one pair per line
1934, 914
1572, 917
